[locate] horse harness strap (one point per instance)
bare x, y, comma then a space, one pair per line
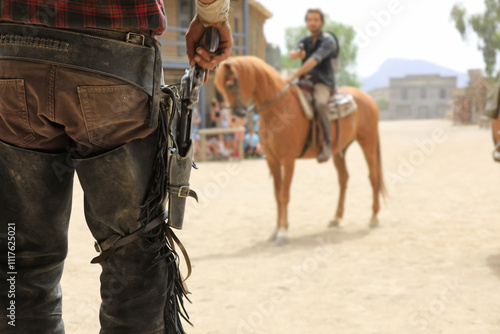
267, 104
308, 141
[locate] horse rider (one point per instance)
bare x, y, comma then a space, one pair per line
317, 52
80, 88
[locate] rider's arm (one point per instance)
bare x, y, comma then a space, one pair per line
299, 51
304, 69
326, 48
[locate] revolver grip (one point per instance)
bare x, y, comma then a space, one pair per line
210, 40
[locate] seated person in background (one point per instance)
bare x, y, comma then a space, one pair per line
228, 137
252, 146
233, 144
216, 116
217, 119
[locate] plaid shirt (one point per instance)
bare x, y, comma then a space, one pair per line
140, 14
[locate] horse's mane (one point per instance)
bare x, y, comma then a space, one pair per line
253, 63
265, 75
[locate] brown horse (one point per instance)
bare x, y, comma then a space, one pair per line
284, 131
496, 138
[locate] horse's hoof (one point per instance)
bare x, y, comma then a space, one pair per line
374, 223
273, 237
282, 237
496, 156
334, 222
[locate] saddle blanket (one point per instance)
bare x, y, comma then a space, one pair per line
340, 105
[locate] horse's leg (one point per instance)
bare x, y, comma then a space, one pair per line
370, 150
343, 176
275, 168
284, 198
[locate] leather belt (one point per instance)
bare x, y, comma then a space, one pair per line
127, 56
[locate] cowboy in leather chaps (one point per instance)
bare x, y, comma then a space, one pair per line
140, 287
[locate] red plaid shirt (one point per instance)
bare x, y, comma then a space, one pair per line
140, 14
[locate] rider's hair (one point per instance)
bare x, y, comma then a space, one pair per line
316, 11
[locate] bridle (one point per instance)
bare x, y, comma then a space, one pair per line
241, 110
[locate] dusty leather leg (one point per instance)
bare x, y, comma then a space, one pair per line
133, 280
35, 198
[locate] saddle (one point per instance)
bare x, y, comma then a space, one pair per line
340, 104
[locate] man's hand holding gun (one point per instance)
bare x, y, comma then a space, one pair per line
208, 43
211, 13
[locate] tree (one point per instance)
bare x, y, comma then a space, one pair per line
487, 28
346, 72
383, 104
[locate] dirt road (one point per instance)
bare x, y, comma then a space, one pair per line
433, 265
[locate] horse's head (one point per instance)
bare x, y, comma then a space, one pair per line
228, 82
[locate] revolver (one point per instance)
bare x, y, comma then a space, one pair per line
190, 91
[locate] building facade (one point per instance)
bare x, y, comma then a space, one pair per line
421, 96
381, 97
247, 18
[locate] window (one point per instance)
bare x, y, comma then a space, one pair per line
442, 93
186, 12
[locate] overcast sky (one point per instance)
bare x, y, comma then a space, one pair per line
415, 29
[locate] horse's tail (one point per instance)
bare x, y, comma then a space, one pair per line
382, 189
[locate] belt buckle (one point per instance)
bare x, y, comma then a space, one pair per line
183, 191
131, 38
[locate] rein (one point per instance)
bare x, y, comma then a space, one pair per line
252, 107
267, 104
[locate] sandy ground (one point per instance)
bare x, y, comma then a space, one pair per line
433, 266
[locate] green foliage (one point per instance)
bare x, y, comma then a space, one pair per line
487, 28
287, 63
383, 104
346, 71
458, 13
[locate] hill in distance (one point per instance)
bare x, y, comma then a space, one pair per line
399, 68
